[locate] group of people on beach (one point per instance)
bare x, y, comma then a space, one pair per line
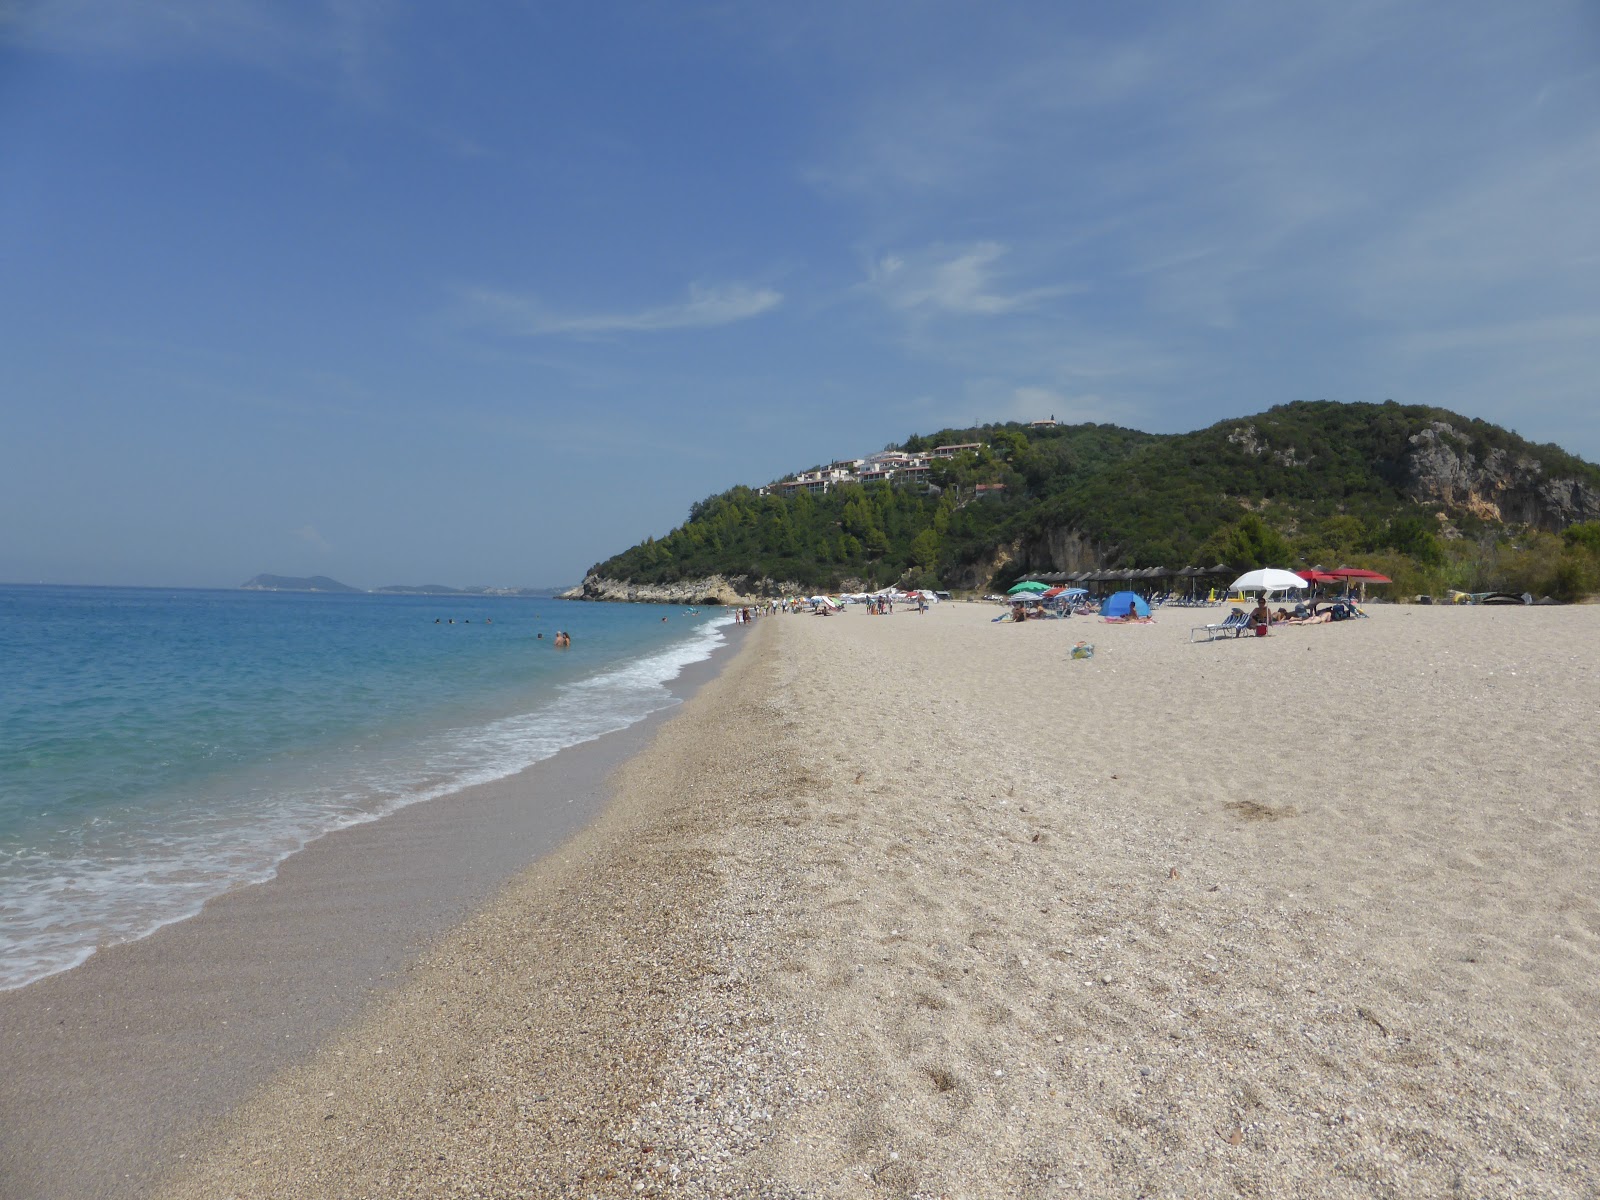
1262, 618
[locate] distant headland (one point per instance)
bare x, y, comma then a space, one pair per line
321, 583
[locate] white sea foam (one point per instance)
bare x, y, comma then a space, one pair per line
120, 884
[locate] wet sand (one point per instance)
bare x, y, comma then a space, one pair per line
112, 1072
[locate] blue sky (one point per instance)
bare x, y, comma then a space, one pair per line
408, 293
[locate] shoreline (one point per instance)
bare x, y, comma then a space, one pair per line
112, 1070
922, 906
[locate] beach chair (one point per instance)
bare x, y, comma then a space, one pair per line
1238, 620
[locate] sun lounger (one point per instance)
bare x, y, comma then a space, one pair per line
1236, 624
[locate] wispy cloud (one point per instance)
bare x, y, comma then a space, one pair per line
1266, 203
239, 28
960, 281
344, 38
1575, 328
705, 307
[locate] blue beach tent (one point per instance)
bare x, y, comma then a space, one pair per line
1123, 604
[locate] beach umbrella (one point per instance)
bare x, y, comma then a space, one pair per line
1315, 576
1266, 579
1030, 585
1359, 574
1077, 591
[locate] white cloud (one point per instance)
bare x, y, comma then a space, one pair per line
704, 308
964, 281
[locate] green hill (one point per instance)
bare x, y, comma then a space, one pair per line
1432, 498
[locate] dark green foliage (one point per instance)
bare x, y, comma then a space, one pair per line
1584, 536
1248, 543
874, 533
1302, 484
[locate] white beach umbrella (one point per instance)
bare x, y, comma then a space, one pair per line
1266, 579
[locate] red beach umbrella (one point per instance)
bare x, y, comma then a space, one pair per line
1360, 575
1317, 576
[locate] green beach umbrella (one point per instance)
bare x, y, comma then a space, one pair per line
1029, 586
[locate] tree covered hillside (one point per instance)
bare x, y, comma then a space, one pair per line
1334, 480
1430, 497
879, 533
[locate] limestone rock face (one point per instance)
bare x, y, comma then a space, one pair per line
1247, 439
978, 573
1501, 486
1065, 549
1060, 548
714, 589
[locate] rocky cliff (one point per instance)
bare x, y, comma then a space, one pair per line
1058, 548
714, 589
1499, 485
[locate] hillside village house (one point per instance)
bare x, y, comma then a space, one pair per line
889, 466
816, 482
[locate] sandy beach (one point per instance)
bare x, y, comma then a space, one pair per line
920, 906
114, 1071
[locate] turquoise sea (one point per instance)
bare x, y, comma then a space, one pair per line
158, 747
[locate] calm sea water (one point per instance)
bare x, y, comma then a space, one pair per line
159, 747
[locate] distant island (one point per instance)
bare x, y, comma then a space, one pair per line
321, 583
294, 583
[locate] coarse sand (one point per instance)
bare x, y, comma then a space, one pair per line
921, 906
